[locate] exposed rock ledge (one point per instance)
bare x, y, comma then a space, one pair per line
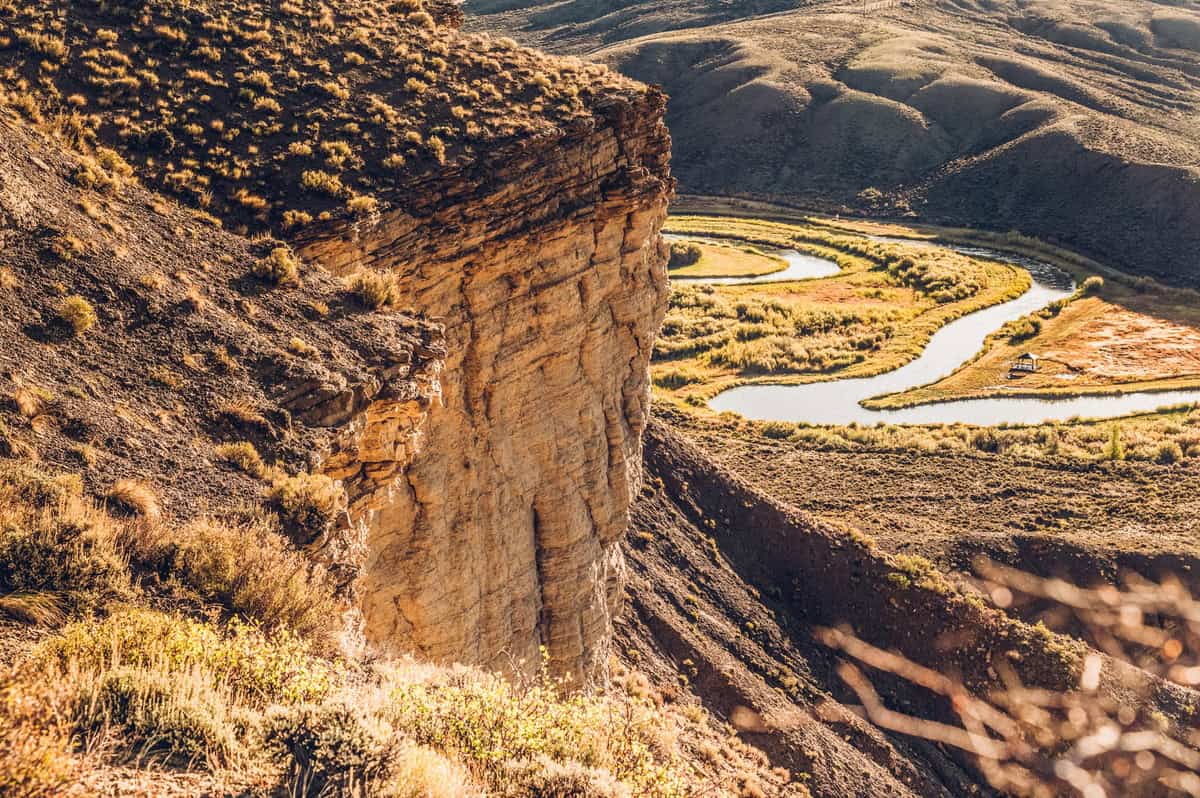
549, 275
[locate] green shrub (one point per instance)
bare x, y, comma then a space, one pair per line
308, 505
676, 378
1024, 329
1169, 452
985, 440
777, 430
684, 253
489, 723
1091, 286
1115, 448
332, 750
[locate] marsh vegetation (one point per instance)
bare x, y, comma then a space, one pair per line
874, 315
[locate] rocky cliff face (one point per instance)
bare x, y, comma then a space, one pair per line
515, 198
550, 278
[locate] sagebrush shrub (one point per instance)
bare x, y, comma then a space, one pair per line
62, 562
279, 267
332, 750
375, 289
308, 505
77, 313
250, 569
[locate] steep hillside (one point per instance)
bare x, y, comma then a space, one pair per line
514, 198
731, 589
1072, 120
142, 344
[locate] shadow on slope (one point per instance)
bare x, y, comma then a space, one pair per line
727, 587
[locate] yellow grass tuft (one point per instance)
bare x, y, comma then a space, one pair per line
77, 313
134, 497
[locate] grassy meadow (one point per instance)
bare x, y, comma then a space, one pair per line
722, 259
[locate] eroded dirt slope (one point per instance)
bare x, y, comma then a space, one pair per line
728, 587
188, 347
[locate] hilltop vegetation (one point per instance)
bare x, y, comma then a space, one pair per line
279, 115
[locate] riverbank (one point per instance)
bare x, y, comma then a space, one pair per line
877, 313
1125, 335
721, 259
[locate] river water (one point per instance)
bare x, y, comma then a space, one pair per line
838, 401
799, 266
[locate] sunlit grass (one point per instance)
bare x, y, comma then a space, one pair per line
875, 315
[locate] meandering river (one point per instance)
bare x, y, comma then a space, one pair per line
799, 266
839, 401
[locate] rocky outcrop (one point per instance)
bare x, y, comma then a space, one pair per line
549, 275
517, 199
376, 429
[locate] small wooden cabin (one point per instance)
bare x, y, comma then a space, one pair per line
1026, 363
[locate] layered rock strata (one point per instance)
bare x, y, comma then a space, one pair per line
549, 275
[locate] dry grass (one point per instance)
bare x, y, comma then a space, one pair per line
717, 259
35, 746
147, 688
280, 267
1166, 436
374, 289
59, 554
246, 567
133, 497
309, 505
1114, 731
243, 455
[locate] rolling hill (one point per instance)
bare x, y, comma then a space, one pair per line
1071, 120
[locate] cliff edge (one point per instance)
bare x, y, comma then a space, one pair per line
512, 199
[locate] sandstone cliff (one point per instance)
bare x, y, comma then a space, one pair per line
550, 278
515, 199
